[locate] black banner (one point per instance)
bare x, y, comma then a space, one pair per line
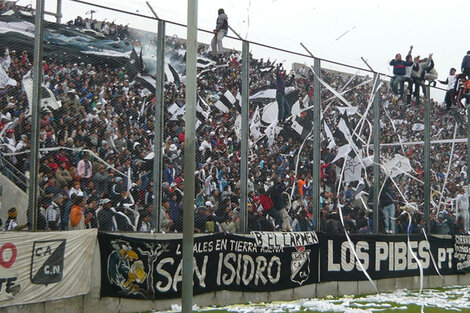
152, 269
382, 256
462, 253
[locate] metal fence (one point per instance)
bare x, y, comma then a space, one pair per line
297, 156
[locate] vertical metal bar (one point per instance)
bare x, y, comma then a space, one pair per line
376, 169
244, 138
158, 140
189, 158
316, 177
35, 125
59, 12
427, 158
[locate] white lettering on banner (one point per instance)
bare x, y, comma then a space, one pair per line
220, 244
172, 281
243, 269
443, 255
281, 239
347, 260
462, 252
394, 256
399, 257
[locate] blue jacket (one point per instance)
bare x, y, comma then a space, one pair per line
399, 66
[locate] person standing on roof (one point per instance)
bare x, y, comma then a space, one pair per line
220, 32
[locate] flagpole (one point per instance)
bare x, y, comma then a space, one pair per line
189, 158
36, 107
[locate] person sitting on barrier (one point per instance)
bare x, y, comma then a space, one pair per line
451, 83
399, 71
430, 73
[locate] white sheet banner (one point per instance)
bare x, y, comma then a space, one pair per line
37, 267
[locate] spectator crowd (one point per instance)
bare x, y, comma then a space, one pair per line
96, 165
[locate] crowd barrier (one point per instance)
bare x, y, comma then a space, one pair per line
39, 271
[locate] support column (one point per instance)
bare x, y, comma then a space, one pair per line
427, 159
244, 138
36, 108
376, 169
158, 139
316, 176
59, 12
189, 158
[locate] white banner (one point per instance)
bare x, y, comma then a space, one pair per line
37, 267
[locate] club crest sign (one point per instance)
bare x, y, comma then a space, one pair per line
47, 261
300, 265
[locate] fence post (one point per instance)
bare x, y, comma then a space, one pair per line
244, 137
158, 139
316, 176
427, 158
36, 108
59, 12
189, 158
376, 169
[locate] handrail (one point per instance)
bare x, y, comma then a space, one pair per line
20, 178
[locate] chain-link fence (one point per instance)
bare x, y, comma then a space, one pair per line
97, 136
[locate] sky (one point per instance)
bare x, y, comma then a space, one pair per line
338, 30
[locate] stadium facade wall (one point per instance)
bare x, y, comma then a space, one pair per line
92, 302
13, 196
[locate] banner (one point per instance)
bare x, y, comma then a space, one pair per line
37, 267
462, 253
152, 268
382, 256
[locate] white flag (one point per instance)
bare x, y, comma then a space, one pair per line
398, 165
352, 169
418, 127
255, 124
329, 135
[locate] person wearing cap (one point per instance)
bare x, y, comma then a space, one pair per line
101, 180
105, 216
440, 226
220, 32
12, 221
116, 190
